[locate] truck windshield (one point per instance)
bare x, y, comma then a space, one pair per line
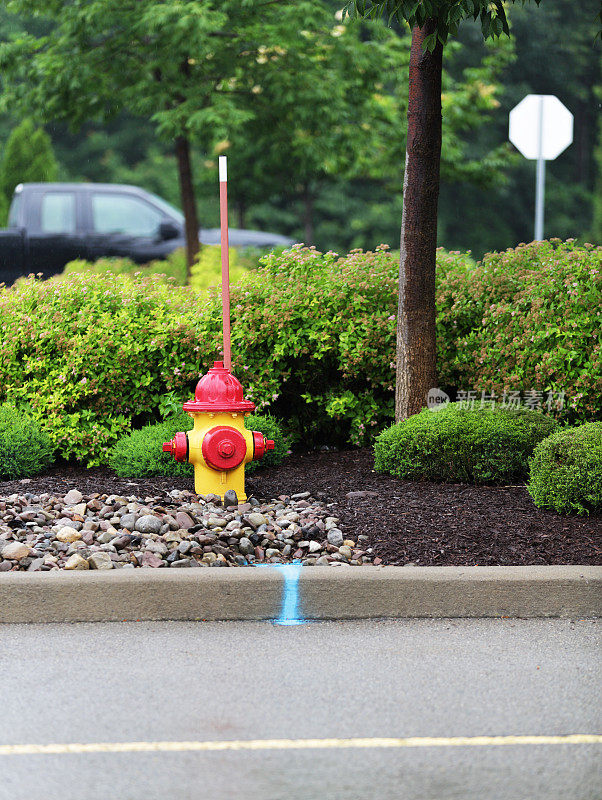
172, 211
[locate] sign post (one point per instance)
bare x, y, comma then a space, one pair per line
541, 128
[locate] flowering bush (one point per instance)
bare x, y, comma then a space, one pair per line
566, 470
528, 318
313, 340
485, 445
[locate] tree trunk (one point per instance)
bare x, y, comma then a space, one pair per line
191, 223
416, 346
308, 216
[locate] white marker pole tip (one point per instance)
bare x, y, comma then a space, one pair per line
223, 168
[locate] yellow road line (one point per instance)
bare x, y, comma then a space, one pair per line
293, 744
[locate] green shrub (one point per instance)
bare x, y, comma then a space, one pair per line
526, 319
206, 271
24, 449
566, 470
484, 445
271, 429
140, 455
174, 267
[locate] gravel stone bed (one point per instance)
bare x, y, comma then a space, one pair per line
43, 532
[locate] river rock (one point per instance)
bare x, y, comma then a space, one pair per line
335, 537
148, 524
76, 562
184, 520
128, 521
230, 498
255, 519
67, 534
246, 546
100, 561
15, 551
72, 497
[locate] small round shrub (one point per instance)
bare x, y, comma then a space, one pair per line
270, 427
566, 470
140, 454
24, 449
481, 445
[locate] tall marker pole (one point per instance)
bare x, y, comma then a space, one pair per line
223, 217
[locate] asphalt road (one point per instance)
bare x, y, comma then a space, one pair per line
215, 682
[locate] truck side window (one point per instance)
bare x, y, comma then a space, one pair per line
57, 213
15, 207
118, 213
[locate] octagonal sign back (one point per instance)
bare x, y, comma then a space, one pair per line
541, 126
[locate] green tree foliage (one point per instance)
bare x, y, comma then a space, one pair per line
596, 231
557, 53
28, 157
318, 110
333, 108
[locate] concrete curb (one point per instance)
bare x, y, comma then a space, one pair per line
244, 593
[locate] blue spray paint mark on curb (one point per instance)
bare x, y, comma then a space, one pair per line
289, 613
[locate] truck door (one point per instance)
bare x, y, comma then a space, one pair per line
124, 225
54, 230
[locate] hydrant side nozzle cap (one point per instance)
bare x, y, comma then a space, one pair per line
270, 444
167, 447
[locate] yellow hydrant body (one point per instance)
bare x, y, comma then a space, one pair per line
206, 478
219, 445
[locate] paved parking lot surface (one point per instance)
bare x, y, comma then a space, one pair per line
167, 710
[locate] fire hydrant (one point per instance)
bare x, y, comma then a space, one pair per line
219, 445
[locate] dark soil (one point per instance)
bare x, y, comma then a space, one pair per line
407, 521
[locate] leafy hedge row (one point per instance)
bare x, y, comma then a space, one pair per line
313, 341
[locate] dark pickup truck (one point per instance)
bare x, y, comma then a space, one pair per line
51, 224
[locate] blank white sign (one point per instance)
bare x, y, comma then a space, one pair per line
541, 126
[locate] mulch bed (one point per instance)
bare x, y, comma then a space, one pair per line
407, 521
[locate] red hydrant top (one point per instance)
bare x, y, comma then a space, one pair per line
219, 390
